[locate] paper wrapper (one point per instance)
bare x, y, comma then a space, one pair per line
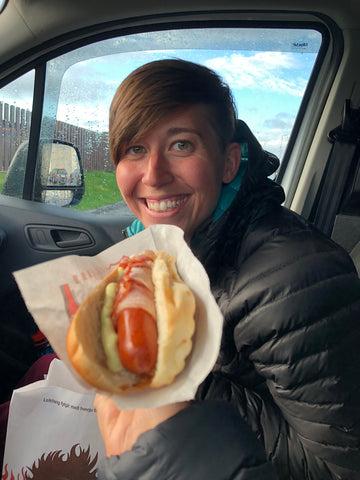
52, 290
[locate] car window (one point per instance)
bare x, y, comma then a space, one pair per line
15, 122
267, 69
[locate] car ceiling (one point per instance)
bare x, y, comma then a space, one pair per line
26, 24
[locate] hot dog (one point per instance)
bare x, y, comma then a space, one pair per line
135, 328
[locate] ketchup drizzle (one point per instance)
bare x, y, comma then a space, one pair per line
126, 282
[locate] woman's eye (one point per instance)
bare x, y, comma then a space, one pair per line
182, 145
135, 150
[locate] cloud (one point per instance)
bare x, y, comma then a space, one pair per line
282, 120
20, 92
79, 89
269, 71
274, 133
87, 115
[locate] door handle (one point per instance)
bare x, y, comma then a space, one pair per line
70, 238
55, 238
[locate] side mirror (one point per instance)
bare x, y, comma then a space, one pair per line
59, 178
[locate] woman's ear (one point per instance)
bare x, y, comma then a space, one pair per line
232, 162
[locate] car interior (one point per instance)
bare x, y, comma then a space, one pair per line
293, 65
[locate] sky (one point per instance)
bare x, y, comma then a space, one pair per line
266, 70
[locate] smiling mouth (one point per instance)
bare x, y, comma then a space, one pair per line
165, 205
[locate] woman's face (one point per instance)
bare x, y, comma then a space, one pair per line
174, 173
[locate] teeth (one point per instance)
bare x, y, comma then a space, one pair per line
164, 206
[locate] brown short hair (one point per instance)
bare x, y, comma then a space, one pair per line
156, 89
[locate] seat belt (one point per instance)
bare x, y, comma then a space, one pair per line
340, 172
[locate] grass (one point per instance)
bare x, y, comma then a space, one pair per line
100, 189
2, 179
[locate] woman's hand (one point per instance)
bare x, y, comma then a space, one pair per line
121, 428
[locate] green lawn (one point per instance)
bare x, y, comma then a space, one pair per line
2, 179
100, 189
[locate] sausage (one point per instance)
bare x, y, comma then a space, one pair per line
134, 315
137, 340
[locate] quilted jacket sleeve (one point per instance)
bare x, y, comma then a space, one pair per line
205, 441
291, 353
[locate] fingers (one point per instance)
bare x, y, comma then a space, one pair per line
120, 429
104, 404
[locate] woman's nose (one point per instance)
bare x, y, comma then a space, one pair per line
157, 170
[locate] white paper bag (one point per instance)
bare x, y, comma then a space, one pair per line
52, 428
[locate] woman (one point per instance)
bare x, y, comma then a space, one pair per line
289, 360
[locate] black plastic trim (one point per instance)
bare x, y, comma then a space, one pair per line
36, 118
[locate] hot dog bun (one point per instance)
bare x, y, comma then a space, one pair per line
175, 309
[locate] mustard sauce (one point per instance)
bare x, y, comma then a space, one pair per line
109, 336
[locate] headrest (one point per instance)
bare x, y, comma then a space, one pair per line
261, 161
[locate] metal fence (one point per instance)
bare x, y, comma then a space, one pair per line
15, 129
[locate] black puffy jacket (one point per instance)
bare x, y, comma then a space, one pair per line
206, 441
290, 355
